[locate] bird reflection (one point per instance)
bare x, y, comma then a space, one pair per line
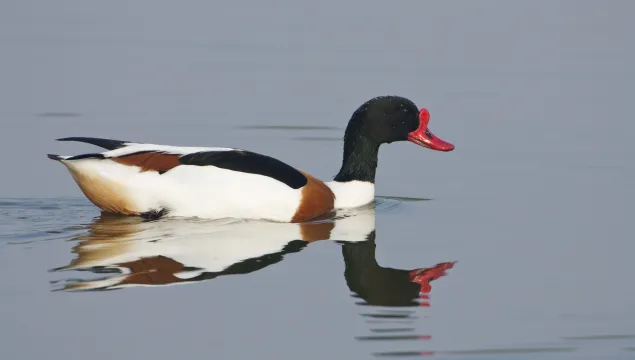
384, 286
389, 291
131, 252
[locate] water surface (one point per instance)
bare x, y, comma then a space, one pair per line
358, 281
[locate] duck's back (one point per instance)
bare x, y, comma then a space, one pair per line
207, 182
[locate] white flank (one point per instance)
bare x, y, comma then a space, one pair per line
352, 194
211, 192
195, 191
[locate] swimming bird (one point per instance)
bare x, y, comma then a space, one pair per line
152, 181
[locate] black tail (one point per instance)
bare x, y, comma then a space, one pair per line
108, 144
54, 157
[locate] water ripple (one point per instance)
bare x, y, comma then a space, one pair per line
477, 352
26, 221
287, 127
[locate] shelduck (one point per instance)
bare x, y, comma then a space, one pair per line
152, 181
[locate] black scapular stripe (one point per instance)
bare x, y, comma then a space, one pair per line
248, 162
107, 144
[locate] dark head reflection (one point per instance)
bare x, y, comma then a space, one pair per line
384, 286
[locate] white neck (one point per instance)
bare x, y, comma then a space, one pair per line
352, 194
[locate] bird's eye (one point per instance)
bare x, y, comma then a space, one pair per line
428, 134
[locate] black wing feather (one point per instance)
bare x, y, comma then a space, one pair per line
107, 144
248, 162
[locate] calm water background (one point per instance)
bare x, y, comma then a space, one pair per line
535, 203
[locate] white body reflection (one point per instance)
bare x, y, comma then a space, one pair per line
177, 251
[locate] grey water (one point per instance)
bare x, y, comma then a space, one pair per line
522, 237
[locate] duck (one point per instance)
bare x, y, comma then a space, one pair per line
154, 181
